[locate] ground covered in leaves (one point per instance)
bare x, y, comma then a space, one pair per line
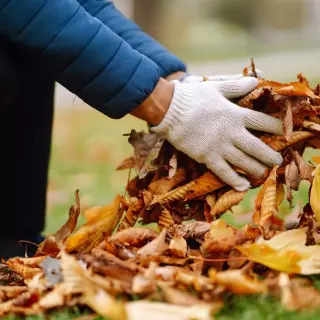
191, 264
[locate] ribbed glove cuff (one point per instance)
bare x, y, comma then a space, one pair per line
182, 101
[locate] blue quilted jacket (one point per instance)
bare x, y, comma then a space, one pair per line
90, 48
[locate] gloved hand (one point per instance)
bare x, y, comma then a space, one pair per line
191, 78
205, 125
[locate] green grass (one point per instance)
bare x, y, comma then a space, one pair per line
86, 149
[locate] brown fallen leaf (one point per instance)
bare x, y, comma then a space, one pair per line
292, 179
288, 121
165, 219
221, 239
193, 230
78, 280
238, 281
164, 185
146, 149
298, 294
313, 126
127, 163
305, 169
26, 267
226, 202
267, 202
132, 214
315, 195
156, 247
178, 246
173, 164
52, 244
136, 237
206, 183
103, 219
278, 143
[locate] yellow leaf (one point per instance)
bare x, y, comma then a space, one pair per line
103, 219
315, 194
285, 252
316, 159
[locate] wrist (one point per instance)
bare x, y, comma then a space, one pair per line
183, 100
176, 76
154, 108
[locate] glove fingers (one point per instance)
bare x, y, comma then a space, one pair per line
259, 121
224, 171
237, 88
257, 149
243, 161
224, 77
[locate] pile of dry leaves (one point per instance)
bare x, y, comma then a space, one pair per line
184, 270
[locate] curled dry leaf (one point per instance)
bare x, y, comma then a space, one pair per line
193, 230
313, 126
52, 244
221, 239
292, 179
165, 219
103, 219
267, 202
132, 214
133, 237
238, 281
146, 149
127, 163
78, 280
315, 195
178, 246
226, 202
173, 163
288, 121
298, 294
26, 267
165, 184
278, 143
289, 89
156, 247
286, 252
305, 169
206, 183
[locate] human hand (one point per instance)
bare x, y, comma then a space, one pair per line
191, 78
205, 125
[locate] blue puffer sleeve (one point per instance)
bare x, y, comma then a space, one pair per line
80, 52
106, 12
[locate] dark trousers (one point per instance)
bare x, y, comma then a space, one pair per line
26, 113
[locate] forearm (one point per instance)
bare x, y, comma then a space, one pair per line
80, 52
106, 12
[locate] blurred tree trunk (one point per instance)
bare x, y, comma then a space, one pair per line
148, 14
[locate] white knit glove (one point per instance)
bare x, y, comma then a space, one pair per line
202, 123
191, 78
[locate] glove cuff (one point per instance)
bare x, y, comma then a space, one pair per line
181, 102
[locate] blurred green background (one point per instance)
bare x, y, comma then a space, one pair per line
212, 36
